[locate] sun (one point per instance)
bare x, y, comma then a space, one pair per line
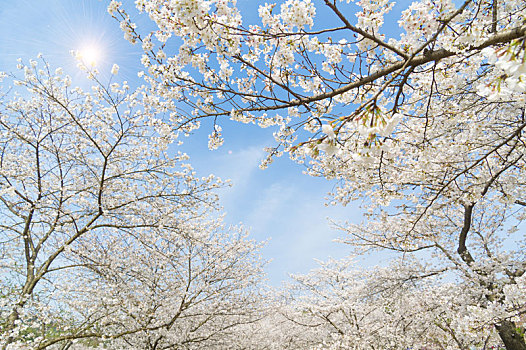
91, 55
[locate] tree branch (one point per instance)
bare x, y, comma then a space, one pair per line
462, 249
363, 32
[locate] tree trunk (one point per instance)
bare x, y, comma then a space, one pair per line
511, 337
9, 327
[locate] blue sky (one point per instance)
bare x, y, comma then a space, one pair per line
279, 203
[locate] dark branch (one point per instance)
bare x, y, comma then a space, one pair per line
462, 249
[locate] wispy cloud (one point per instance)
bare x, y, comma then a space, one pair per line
279, 204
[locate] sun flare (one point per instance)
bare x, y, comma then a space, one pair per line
91, 55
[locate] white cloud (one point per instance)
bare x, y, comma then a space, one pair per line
294, 216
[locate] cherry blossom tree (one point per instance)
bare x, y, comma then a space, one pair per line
106, 235
393, 307
426, 126
194, 288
